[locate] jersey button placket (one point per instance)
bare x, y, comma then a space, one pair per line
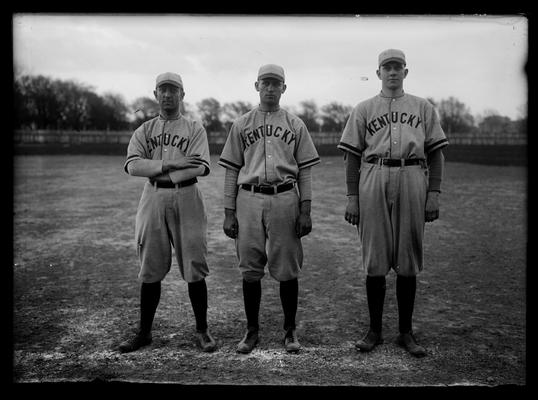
392, 128
270, 160
395, 134
269, 167
165, 149
395, 142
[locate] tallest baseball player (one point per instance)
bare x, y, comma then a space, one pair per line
394, 165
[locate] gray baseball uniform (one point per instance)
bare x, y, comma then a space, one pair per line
175, 213
268, 148
392, 199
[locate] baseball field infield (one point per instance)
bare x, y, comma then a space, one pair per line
75, 294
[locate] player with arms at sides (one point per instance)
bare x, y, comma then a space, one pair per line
393, 166
268, 155
171, 151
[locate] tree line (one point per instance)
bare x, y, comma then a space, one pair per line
42, 102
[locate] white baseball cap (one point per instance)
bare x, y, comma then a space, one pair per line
169, 77
391, 55
271, 71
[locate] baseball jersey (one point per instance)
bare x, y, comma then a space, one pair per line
402, 127
268, 147
165, 139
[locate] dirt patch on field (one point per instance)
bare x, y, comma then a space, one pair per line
76, 295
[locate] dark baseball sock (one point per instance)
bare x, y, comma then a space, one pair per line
252, 295
150, 295
198, 296
375, 293
289, 291
405, 294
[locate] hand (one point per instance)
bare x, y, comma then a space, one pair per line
432, 207
162, 178
230, 225
191, 161
303, 225
352, 210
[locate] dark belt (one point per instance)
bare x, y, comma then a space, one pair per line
396, 162
268, 189
170, 185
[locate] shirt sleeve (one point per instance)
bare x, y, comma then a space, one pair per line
198, 145
352, 139
230, 188
232, 153
436, 161
435, 136
138, 162
306, 154
352, 166
304, 181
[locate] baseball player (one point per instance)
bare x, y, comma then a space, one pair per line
268, 157
392, 147
171, 151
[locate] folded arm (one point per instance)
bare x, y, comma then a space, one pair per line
175, 170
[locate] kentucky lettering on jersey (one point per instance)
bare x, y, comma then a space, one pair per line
407, 126
249, 137
377, 123
182, 143
268, 147
166, 139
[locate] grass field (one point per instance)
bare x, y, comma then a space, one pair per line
75, 292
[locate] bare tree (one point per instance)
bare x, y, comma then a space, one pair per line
45, 103
455, 116
117, 111
309, 114
36, 102
144, 108
334, 116
73, 99
232, 111
210, 113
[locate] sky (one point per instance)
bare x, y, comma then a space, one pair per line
479, 60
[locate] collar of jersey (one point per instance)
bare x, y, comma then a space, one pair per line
170, 119
390, 97
274, 111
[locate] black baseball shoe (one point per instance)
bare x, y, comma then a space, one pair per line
291, 343
408, 342
369, 341
249, 341
206, 341
135, 343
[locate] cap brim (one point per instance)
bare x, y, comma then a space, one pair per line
174, 83
274, 76
392, 59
